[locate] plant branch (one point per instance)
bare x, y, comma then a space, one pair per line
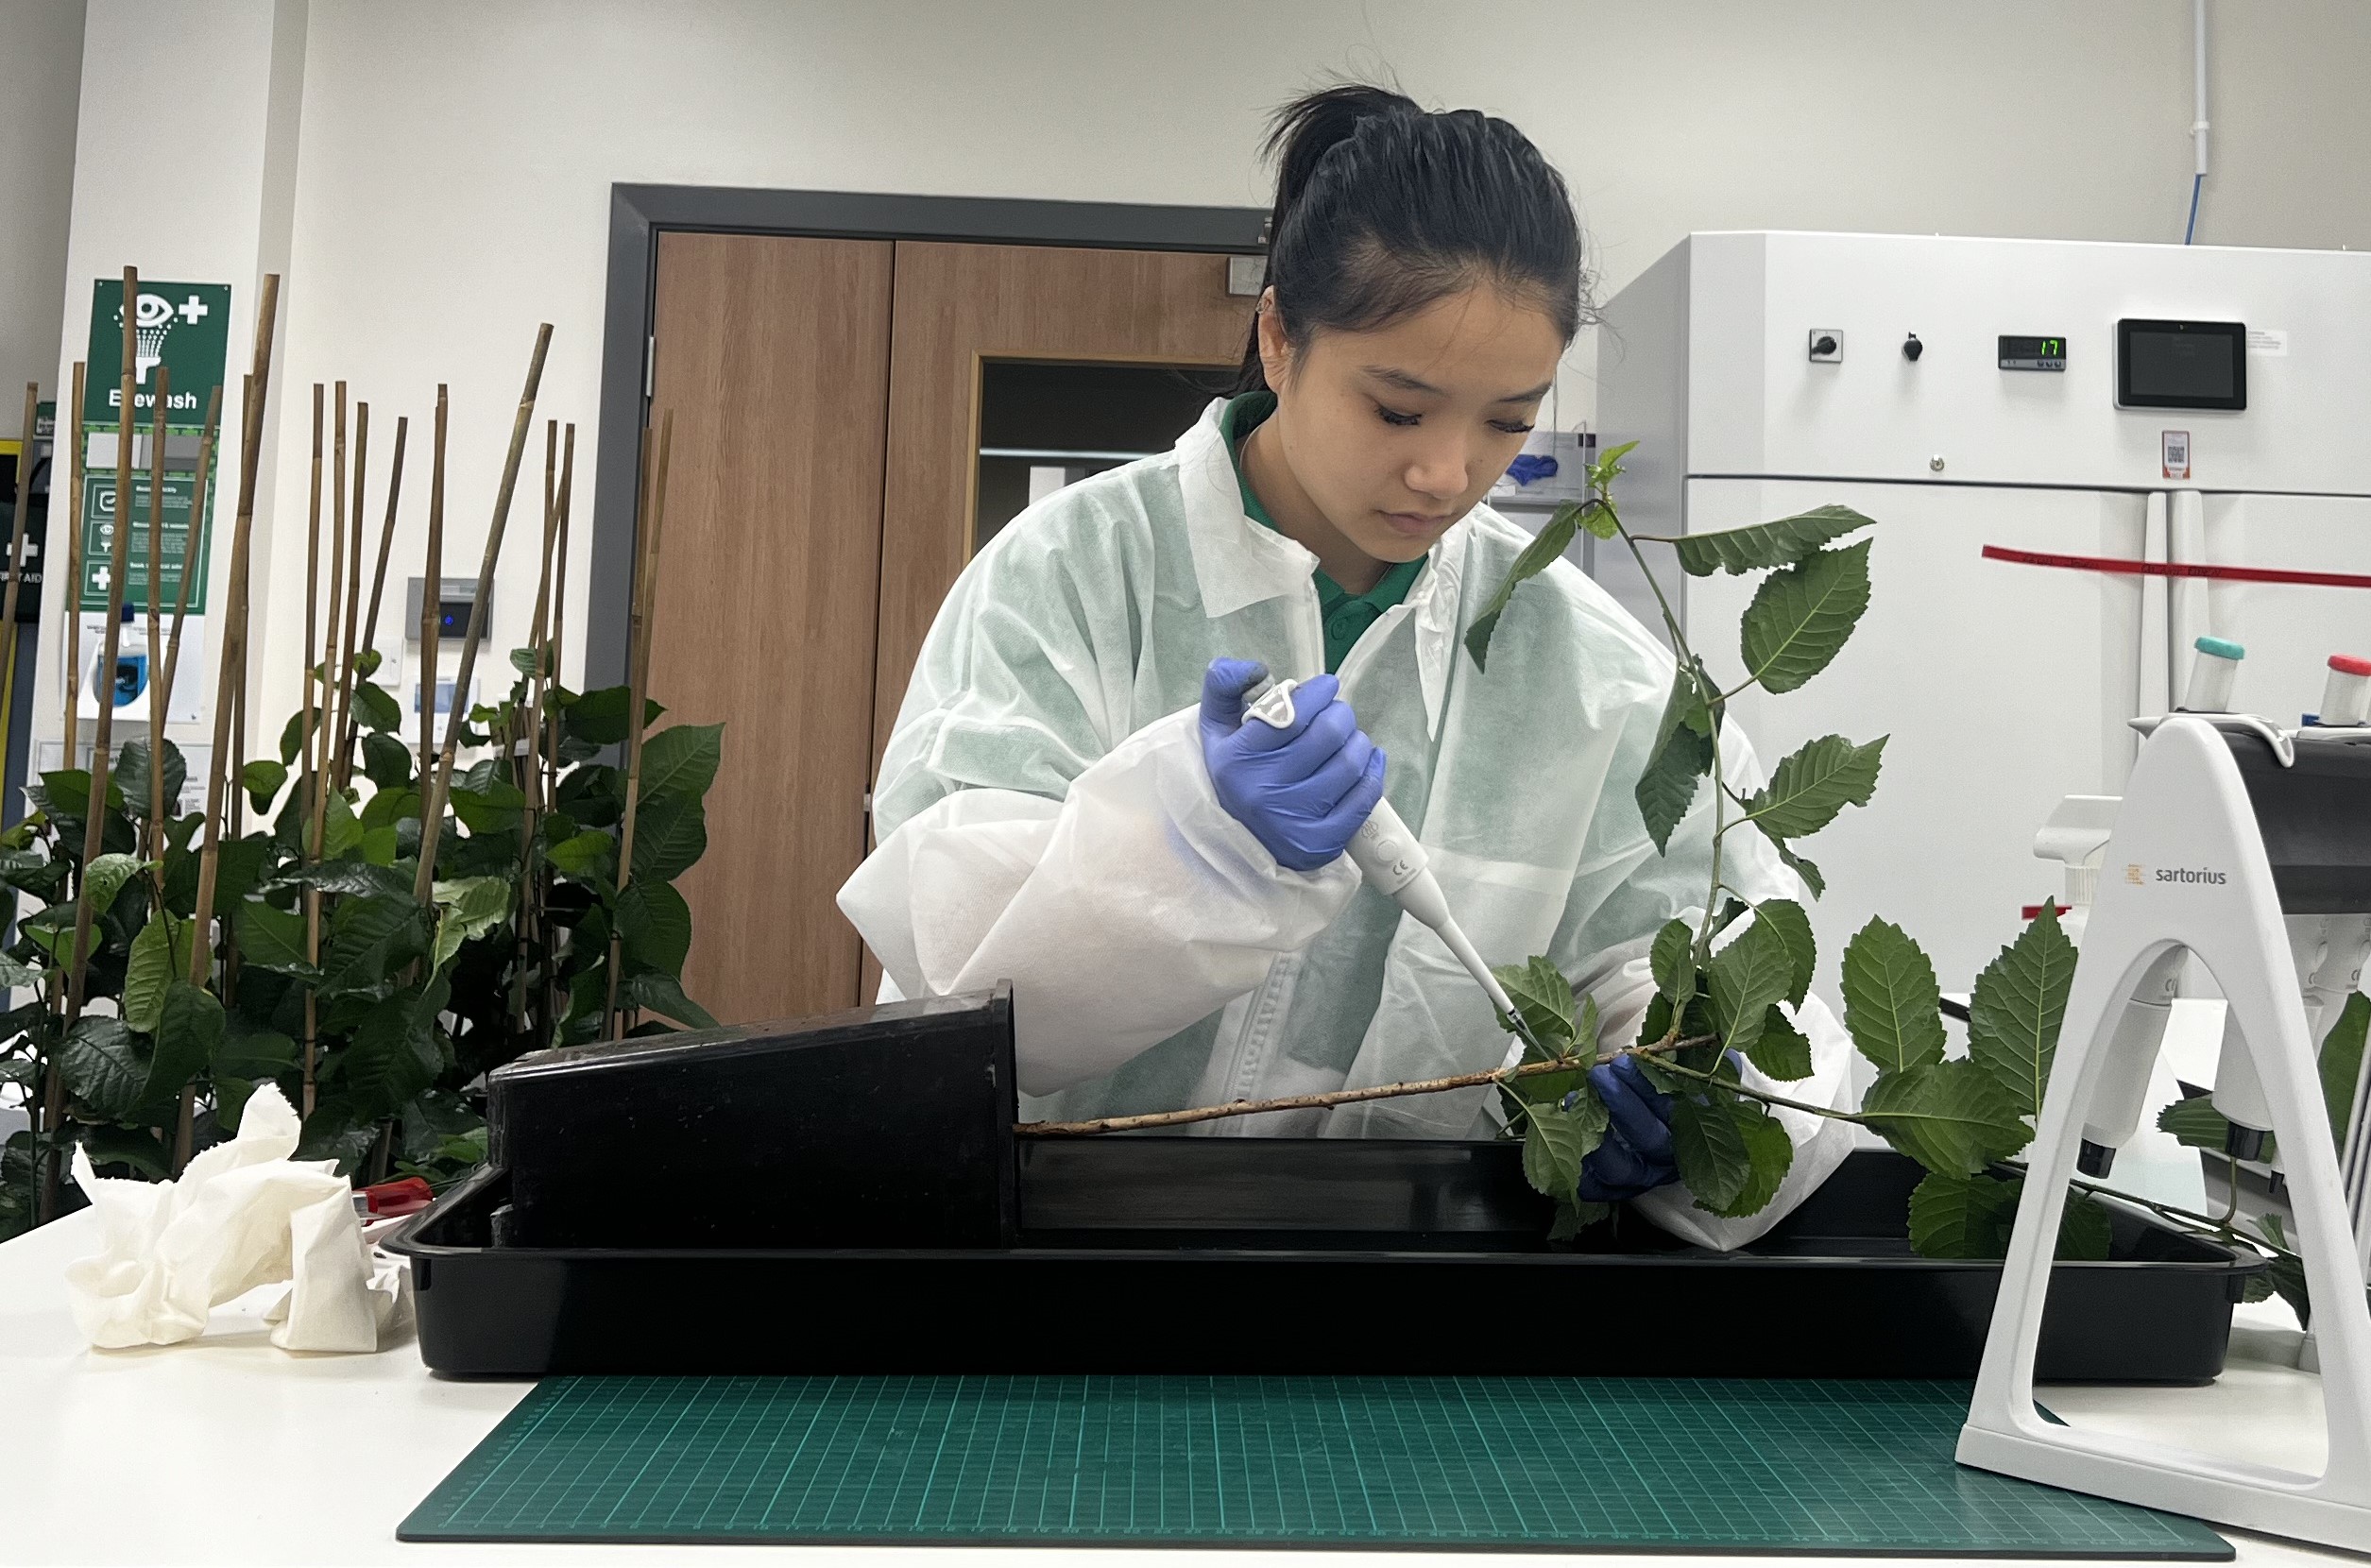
1344, 1097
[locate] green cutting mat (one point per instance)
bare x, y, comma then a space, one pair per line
1538, 1463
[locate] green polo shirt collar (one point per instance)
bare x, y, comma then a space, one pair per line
1343, 615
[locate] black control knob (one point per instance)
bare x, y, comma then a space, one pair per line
1912, 348
1823, 346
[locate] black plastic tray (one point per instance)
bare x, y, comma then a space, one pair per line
1186, 1254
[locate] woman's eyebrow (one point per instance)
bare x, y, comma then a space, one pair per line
1406, 382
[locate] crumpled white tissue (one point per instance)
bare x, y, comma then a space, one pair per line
242, 1215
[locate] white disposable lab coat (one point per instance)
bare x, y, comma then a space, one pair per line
1043, 816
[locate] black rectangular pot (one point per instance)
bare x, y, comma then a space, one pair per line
1191, 1254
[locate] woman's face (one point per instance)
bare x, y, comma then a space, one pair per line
1397, 433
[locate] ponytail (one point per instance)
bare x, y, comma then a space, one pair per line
1383, 208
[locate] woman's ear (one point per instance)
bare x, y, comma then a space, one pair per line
1275, 348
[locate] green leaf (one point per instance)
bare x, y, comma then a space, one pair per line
378, 846
160, 956
104, 1067
240, 868
1708, 1140
1574, 1216
1748, 976
654, 929
1673, 958
661, 994
585, 858
371, 937
1781, 1050
1801, 867
189, 1031
273, 938
2195, 1123
1769, 1156
293, 735
670, 835
263, 779
1892, 1006
375, 707
1540, 992
136, 1147
1810, 785
131, 776
1554, 1141
1953, 1216
386, 761
1682, 755
2342, 1063
2014, 1014
106, 878
14, 973
1793, 925
366, 662
394, 1055
599, 716
1765, 544
524, 661
468, 909
2084, 1233
1801, 617
489, 804
340, 832
389, 806
1948, 1115
1550, 542
682, 761
1603, 472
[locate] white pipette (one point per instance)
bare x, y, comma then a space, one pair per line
1394, 864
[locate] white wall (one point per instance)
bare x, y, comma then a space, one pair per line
40, 76
453, 183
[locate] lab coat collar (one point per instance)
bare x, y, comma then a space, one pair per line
1236, 562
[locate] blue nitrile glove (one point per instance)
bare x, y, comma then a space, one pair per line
1636, 1154
1302, 791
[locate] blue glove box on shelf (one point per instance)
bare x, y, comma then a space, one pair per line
737, 1201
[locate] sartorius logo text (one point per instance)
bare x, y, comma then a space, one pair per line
2204, 875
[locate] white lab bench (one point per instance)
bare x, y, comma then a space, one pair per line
226, 1450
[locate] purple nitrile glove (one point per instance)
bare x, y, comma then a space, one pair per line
1302, 789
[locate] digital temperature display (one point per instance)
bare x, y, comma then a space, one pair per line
2032, 353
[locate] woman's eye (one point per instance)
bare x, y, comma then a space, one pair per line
1509, 427
1390, 417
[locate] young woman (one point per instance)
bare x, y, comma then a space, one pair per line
1070, 800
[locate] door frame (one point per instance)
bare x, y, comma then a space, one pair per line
640, 214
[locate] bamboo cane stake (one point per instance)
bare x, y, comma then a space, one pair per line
336, 740
638, 683
312, 788
433, 802
154, 847
230, 662
378, 582
523, 919
73, 596
432, 612
317, 745
558, 574
192, 563
551, 720
94, 805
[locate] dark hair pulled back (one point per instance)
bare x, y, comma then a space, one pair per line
1383, 208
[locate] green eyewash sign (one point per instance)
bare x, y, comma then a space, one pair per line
184, 328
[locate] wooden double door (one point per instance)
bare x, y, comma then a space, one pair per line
827, 396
